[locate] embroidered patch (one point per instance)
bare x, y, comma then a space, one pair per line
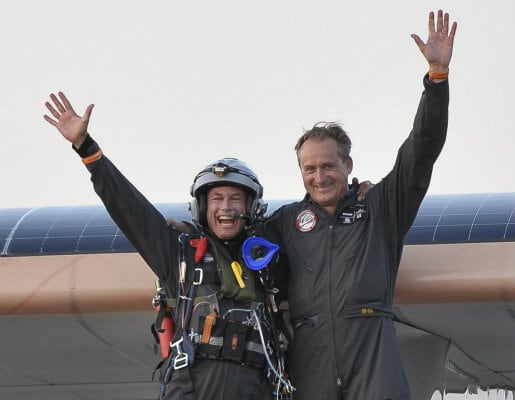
209, 257
306, 221
352, 214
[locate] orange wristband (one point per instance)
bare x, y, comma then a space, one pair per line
92, 158
438, 75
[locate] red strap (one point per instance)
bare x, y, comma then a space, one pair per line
201, 246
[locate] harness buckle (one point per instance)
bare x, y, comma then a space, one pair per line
181, 359
199, 273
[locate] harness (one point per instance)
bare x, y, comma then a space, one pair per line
223, 311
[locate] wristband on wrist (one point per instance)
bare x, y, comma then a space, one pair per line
92, 158
438, 75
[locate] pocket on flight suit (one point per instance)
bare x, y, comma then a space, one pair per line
234, 341
212, 341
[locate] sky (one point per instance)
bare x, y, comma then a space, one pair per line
179, 84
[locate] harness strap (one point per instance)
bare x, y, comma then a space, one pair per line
197, 300
208, 325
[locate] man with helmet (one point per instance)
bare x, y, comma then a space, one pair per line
223, 346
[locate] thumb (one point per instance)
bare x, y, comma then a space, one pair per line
418, 41
87, 113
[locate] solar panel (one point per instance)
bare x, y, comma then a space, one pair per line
90, 229
464, 218
66, 230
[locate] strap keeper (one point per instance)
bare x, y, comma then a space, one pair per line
92, 158
438, 75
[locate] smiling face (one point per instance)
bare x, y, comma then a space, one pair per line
324, 173
222, 202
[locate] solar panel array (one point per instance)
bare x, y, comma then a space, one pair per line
89, 229
65, 230
464, 218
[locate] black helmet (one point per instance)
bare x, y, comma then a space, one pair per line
226, 172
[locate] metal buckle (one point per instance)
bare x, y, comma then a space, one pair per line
200, 276
181, 359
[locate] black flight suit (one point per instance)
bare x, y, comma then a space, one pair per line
343, 267
157, 243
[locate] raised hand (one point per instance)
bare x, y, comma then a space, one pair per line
72, 126
438, 48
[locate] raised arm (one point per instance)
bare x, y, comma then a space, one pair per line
438, 48
73, 127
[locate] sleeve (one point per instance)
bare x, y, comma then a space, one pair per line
143, 225
406, 185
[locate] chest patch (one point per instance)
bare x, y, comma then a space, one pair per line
306, 221
352, 214
208, 258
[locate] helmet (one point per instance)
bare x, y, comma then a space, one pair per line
226, 172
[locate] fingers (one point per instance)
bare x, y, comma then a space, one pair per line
363, 189
50, 120
57, 104
61, 105
65, 101
439, 21
431, 23
52, 109
445, 25
453, 30
442, 24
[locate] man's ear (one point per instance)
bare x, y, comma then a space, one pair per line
348, 165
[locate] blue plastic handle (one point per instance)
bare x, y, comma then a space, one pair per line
258, 252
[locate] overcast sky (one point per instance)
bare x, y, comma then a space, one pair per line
178, 84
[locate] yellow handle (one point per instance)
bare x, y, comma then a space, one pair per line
237, 271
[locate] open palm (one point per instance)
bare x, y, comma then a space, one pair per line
72, 126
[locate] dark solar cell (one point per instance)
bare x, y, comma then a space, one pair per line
492, 219
493, 232
510, 232
94, 230
426, 220
60, 245
99, 244
30, 232
420, 235
4, 232
451, 234
65, 231
456, 219
9, 217
26, 246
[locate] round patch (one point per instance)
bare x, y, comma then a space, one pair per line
306, 221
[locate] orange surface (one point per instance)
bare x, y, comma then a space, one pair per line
475, 272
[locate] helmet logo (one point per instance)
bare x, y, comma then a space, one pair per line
306, 221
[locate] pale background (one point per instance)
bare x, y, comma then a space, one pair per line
178, 84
